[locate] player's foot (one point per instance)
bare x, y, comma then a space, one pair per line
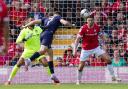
55, 79
27, 63
116, 79
7, 83
78, 82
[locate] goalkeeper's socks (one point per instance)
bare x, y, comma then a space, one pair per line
51, 67
13, 73
110, 69
34, 56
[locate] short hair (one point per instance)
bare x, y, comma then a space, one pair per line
57, 12
90, 16
50, 14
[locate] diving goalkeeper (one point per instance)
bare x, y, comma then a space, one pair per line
30, 36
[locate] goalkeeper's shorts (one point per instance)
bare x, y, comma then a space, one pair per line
27, 54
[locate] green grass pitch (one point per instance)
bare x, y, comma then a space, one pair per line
66, 86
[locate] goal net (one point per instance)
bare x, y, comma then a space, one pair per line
110, 15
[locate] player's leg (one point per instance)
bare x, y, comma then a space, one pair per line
79, 72
101, 53
84, 55
14, 70
42, 51
51, 65
107, 58
46, 40
42, 59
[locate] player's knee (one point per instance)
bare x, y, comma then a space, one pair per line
18, 65
42, 52
109, 62
107, 59
45, 64
81, 68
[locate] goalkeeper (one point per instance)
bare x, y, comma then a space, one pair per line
30, 36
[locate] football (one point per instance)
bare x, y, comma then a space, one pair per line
84, 13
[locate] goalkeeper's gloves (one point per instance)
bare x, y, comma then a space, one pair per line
27, 37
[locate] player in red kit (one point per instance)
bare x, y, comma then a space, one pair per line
3, 28
89, 34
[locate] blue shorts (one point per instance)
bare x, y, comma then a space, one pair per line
46, 38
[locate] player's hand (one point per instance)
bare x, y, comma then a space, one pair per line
22, 27
73, 25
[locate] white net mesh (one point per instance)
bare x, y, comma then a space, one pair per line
110, 15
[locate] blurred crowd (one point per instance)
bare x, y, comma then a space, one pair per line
111, 16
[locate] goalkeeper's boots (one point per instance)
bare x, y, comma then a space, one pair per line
55, 79
7, 83
27, 63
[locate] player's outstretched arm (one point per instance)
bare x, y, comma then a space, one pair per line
65, 22
76, 44
32, 23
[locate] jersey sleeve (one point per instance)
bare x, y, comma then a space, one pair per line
58, 18
39, 29
21, 36
42, 20
3, 11
81, 31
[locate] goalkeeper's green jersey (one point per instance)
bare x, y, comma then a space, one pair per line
33, 41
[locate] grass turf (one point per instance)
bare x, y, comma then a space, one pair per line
66, 86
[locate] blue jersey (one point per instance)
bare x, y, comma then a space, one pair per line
50, 27
51, 24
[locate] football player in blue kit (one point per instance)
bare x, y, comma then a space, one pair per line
50, 25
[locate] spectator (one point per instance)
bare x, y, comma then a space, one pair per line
96, 61
68, 57
79, 20
121, 31
69, 16
114, 37
76, 60
14, 53
58, 62
117, 60
35, 13
17, 14
100, 16
108, 27
120, 18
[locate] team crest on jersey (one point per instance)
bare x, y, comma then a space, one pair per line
91, 34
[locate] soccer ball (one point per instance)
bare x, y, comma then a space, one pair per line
84, 13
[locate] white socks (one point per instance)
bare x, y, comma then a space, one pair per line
110, 69
79, 75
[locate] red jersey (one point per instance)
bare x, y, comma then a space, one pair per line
3, 10
3, 14
89, 36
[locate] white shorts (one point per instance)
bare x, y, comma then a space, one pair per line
86, 53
